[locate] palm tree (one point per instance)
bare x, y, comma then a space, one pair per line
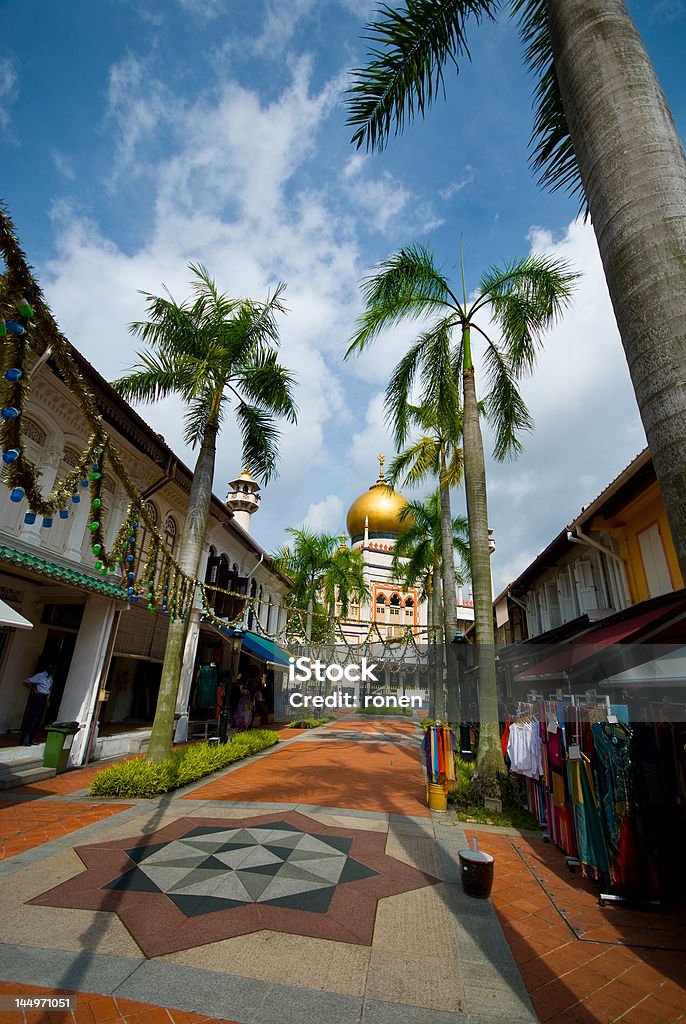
344, 580
323, 572
417, 558
214, 352
436, 454
602, 127
523, 298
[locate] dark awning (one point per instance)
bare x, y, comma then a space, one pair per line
567, 656
260, 646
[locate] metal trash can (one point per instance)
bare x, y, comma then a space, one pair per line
476, 870
60, 736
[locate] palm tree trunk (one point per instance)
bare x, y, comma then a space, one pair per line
633, 171
436, 639
190, 554
490, 758
449, 595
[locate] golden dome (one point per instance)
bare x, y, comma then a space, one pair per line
381, 505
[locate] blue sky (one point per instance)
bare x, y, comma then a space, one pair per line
155, 132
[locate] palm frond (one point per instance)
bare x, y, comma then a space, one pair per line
552, 152
160, 374
526, 297
419, 460
260, 438
270, 385
408, 285
404, 73
505, 406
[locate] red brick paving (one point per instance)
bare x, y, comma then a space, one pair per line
368, 777
25, 824
94, 1009
570, 979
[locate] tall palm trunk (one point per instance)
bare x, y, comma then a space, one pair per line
449, 594
633, 171
190, 554
490, 758
436, 640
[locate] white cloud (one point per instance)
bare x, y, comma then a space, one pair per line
456, 186
64, 165
205, 10
326, 516
8, 89
587, 426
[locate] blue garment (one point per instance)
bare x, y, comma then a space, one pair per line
41, 682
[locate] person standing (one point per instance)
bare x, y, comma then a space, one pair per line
40, 686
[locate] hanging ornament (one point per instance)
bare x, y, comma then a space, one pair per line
10, 456
24, 308
64, 513
30, 518
3, 328
14, 328
17, 494
14, 373
10, 412
47, 522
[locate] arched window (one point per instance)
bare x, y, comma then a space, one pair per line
409, 603
170, 532
143, 537
381, 599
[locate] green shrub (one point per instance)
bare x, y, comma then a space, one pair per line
141, 778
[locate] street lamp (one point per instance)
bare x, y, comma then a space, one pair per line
235, 644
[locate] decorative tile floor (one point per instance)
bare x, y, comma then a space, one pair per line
200, 880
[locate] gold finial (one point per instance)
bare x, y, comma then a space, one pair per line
382, 459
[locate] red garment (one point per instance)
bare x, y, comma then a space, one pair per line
504, 738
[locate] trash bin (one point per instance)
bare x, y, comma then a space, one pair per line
477, 873
60, 736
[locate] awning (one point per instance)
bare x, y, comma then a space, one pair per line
262, 648
61, 572
10, 617
567, 656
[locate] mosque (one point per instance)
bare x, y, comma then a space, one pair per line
374, 525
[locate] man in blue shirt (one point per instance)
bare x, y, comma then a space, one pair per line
40, 686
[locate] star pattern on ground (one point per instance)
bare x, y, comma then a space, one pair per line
201, 880
212, 869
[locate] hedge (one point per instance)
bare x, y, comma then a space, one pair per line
142, 778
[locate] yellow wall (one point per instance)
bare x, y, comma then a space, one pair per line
640, 513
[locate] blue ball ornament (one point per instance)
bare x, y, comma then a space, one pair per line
10, 456
14, 374
75, 498
14, 328
47, 522
64, 513
131, 576
129, 558
30, 518
10, 412
17, 494
84, 483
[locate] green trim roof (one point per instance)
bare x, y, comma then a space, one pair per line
61, 573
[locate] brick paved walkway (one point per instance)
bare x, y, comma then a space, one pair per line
375, 931
24, 825
583, 964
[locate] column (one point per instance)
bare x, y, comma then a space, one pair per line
80, 691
